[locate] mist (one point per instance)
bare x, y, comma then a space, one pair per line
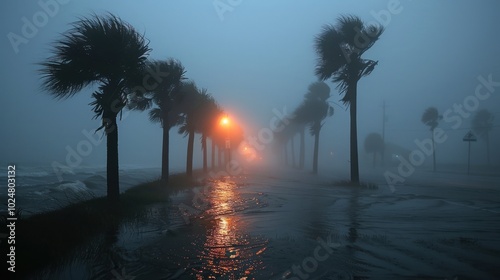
259, 62
428, 56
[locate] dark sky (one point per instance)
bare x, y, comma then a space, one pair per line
256, 57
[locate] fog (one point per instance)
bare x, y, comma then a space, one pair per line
256, 57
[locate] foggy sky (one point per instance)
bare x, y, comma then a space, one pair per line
255, 58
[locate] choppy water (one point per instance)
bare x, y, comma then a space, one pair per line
40, 189
291, 227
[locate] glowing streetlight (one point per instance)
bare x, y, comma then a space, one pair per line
224, 121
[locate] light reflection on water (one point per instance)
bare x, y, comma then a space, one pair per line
227, 251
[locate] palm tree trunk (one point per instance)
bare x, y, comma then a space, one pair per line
113, 187
204, 149
165, 150
293, 151
302, 149
316, 149
189, 160
212, 165
354, 133
433, 152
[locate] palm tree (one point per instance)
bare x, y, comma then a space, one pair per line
340, 49
196, 103
285, 136
431, 118
374, 144
208, 116
482, 123
302, 148
163, 99
312, 111
103, 51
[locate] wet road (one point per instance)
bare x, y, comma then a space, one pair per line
299, 227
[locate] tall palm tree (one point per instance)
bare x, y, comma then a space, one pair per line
103, 51
312, 111
482, 123
431, 118
285, 137
194, 114
302, 146
208, 116
163, 99
340, 51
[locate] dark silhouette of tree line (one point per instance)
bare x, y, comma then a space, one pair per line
106, 52
340, 49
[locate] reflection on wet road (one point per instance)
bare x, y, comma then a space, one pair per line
227, 250
299, 227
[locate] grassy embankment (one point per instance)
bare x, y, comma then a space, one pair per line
47, 238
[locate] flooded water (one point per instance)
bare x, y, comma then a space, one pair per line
299, 227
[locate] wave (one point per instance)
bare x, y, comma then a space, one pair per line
75, 186
36, 174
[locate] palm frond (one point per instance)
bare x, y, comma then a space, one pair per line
431, 117
139, 103
332, 52
350, 27
339, 50
155, 115
319, 91
99, 49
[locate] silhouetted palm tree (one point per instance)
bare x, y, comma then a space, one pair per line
103, 51
302, 147
312, 111
431, 118
482, 123
374, 144
208, 116
285, 137
340, 49
165, 95
196, 103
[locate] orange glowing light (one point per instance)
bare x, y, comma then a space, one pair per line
224, 121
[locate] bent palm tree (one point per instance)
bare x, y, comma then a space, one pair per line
340, 49
209, 117
165, 94
431, 118
482, 123
193, 114
313, 110
103, 51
